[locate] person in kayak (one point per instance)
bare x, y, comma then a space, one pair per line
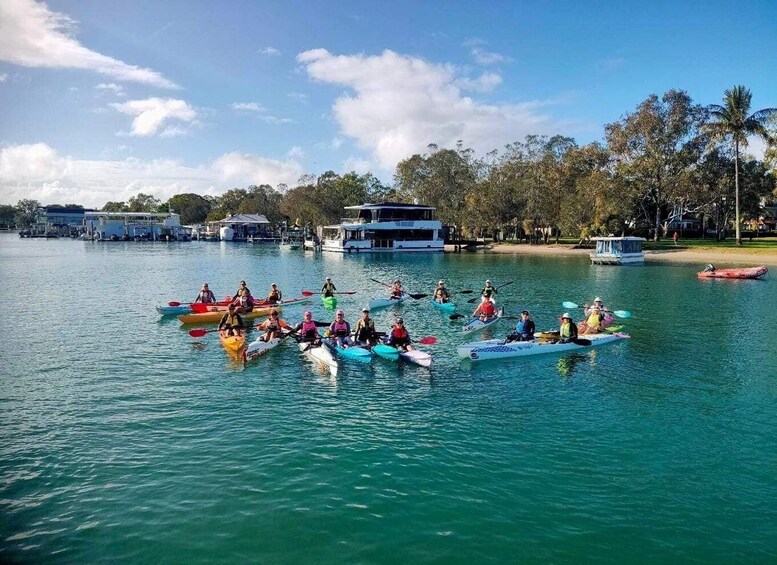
231, 322
273, 326
594, 321
340, 331
205, 296
488, 294
308, 329
244, 303
485, 310
399, 337
568, 330
242, 290
441, 294
275, 295
365, 333
524, 329
396, 290
329, 288
709, 268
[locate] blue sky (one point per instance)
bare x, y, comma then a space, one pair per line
104, 99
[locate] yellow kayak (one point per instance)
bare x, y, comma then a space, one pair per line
215, 317
232, 343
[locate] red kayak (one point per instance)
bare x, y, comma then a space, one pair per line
746, 273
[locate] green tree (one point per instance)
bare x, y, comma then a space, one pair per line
115, 207
26, 211
264, 200
7, 214
733, 120
227, 204
192, 208
655, 151
143, 203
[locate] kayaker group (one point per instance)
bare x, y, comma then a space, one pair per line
243, 300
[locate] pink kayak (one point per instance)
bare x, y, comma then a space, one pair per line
745, 273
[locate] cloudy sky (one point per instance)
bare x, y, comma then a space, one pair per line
103, 99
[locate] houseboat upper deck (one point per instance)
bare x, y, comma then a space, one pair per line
618, 250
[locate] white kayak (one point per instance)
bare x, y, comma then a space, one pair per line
259, 347
476, 324
416, 357
484, 351
376, 303
320, 355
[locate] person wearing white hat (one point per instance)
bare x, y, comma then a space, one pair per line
594, 321
441, 294
329, 288
489, 292
275, 295
568, 330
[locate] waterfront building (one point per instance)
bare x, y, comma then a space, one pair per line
618, 250
137, 226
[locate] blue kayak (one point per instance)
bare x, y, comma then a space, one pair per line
355, 352
174, 310
444, 306
386, 351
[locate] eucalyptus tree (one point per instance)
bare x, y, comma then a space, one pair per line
733, 120
26, 212
656, 149
192, 208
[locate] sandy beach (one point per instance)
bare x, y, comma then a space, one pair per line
719, 257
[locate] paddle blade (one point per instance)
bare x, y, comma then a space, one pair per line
583, 341
173, 303
428, 340
456, 316
307, 293
569, 304
473, 300
622, 313
199, 332
417, 296
346, 292
466, 291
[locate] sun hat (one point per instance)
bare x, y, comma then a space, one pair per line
400, 321
567, 316
339, 312
597, 299
441, 281
488, 281
365, 310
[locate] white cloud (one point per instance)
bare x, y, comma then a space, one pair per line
484, 83
152, 113
360, 166
31, 35
3, 77
295, 152
248, 107
298, 96
336, 143
118, 90
37, 171
483, 57
269, 51
400, 104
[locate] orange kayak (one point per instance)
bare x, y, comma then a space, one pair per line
232, 343
745, 273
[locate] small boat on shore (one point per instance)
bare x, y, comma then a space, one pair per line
710, 272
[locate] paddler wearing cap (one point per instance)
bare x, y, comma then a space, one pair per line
396, 290
441, 294
399, 337
329, 288
275, 295
340, 330
272, 326
568, 330
365, 333
205, 295
489, 292
595, 313
231, 321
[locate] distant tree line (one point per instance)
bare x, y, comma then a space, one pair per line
667, 158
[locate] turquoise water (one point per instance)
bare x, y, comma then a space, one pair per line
123, 438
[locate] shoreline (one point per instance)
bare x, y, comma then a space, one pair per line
720, 257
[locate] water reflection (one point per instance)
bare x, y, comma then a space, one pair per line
568, 364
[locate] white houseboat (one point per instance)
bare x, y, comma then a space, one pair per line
618, 251
386, 227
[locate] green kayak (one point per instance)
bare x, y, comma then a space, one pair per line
329, 302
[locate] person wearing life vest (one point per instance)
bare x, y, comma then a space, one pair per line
486, 310
441, 294
329, 288
595, 314
340, 331
399, 337
231, 323
244, 303
205, 295
524, 329
365, 333
396, 290
488, 294
568, 330
275, 295
273, 326
308, 329
243, 290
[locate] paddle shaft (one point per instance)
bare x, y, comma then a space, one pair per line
473, 300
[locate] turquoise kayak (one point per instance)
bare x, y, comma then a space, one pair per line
444, 306
355, 352
329, 302
386, 351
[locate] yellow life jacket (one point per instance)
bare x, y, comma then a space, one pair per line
565, 330
594, 319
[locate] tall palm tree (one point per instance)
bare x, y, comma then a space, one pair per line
732, 120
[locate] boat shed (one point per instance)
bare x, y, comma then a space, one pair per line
240, 226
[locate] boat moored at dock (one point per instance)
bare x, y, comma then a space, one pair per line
618, 250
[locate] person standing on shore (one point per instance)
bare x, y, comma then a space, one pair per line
675, 237
205, 296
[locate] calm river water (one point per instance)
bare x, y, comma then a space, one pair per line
124, 439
